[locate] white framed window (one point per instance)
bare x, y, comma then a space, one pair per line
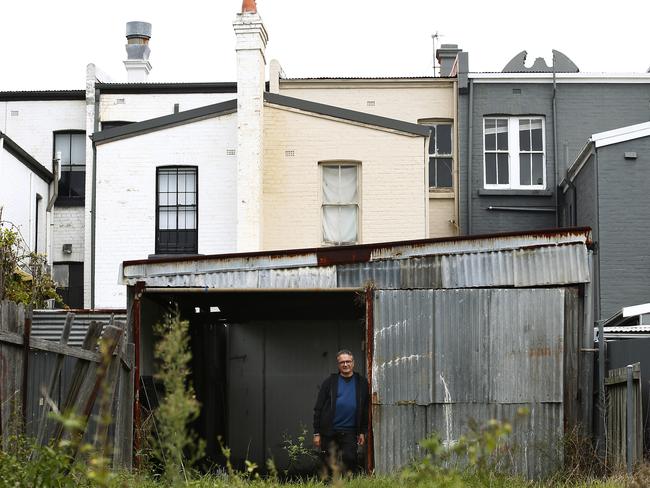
441, 160
340, 202
513, 153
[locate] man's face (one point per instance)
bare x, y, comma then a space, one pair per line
346, 365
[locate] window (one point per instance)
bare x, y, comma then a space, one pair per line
440, 156
176, 210
340, 208
72, 182
69, 279
514, 153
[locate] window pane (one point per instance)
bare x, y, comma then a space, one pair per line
62, 145
330, 184
502, 134
538, 169
167, 218
78, 149
77, 183
432, 140
61, 275
490, 135
502, 169
64, 184
444, 139
536, 133
444, 173
524, 135
186, 218
490, 169
432, 172
348, 182
524, 169
340, 223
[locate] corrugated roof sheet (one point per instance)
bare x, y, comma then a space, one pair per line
48, 324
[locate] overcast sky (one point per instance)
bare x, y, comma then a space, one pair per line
46, 44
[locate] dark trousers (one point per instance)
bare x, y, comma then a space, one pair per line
340, 448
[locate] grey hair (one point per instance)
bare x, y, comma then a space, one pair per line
344, 351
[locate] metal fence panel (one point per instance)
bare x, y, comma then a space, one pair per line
526, 345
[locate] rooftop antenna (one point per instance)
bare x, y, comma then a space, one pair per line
435, 37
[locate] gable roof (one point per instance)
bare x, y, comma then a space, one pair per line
164, 122
346, 114
24, 157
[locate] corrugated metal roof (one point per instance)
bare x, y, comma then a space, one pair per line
48, 324
644, 329
524, 259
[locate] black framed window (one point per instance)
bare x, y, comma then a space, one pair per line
72, 182
440, 156
177, 210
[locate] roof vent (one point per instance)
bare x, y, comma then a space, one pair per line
137, 51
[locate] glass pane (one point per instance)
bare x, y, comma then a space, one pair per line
536, 133
186, 218
524, 169
490, 169
502, 134
348, 190
348, 224
330, 184
64, 184
490, 135
432, 172
538, 169
524, 135
502, 169
330, 223
432, 140
444, 139
61, 275
62, 144
444, 173
78, 149
190, 181
167, 218
77, 183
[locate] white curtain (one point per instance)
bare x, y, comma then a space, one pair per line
340, 209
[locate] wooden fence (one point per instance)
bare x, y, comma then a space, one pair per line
37, 375
618, 419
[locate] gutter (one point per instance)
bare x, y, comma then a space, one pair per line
470, 122
56, 162
555, 161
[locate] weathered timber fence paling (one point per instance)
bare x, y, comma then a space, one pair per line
618, 419
37, 375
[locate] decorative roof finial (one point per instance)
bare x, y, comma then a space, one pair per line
248, 6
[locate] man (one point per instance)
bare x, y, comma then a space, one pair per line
341, 413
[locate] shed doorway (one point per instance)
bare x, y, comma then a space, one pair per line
258, 359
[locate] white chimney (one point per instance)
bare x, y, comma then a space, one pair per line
137, 51
250, 45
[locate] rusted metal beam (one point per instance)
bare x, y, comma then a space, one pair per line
369, 357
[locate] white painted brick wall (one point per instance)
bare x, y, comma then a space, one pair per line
18, 189
138, 107
394, 198
33, 127
67, 228
126, 199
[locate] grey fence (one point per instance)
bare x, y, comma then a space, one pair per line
39, 375
624, 416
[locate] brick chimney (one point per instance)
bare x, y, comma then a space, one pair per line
251, 38
137, 51
446, 57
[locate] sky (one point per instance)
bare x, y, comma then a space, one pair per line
46, 45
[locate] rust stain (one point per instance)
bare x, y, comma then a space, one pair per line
538, 352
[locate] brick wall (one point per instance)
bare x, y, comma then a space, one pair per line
68, 228
126, 199
393, 193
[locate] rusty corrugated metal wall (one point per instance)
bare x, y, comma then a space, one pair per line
443, 357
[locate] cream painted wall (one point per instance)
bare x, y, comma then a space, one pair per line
408, 100
393, 193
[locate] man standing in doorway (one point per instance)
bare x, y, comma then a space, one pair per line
341, 413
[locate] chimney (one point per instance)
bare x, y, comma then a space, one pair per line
251, 38
446, 57
137, 51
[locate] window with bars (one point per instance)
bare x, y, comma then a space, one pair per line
340, 203
72, 181
177, 210
440, 156
514, 156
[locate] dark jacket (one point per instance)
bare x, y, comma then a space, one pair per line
325, 407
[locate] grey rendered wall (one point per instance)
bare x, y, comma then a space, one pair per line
624, 241
582, 110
